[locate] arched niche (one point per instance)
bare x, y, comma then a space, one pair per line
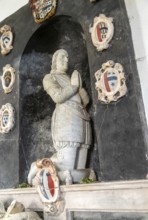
36, 107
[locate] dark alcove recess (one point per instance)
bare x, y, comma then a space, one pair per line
36, 107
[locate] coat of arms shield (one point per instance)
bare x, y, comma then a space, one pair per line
47, 181
6, 39
7, 119
102, 32
42, 9
110, 82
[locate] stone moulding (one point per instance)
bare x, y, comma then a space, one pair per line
42, 9
7, 119
121, 196
8, 78
102, 32
110, 82
6, 39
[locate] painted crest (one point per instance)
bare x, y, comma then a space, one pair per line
6, 39
7, 119
110, 82
8, 78
102, 32
47, 181
42, 9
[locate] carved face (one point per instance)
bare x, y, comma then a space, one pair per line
62, 62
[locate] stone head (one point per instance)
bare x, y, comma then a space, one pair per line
60, 61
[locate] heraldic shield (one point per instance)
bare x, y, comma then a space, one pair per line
8, 78
47, 181
7, 119
42, 9
102, 32
6, 39
110, 82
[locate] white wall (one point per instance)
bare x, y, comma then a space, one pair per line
8, 7
138, 17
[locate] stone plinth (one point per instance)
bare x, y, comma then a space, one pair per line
128, 198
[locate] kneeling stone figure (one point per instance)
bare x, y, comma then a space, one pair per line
71, 132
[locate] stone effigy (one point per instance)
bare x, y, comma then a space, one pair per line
71, 134
71, 131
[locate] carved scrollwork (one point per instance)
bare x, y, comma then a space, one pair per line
102, 32
110, 82
7, 119
6, 39
8, 78
54, 209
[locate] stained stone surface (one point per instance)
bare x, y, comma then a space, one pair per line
119, 129
109, 216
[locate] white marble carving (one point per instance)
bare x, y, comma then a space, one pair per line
120, 197
8, 78
102, 32
2, 210
71, 130
7, 119
16, 211
6, 39
110, 82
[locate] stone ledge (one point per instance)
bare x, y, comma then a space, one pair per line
123, 196
106, 186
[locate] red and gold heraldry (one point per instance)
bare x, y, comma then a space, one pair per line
42, 9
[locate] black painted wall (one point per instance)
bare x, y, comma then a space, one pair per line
119, 146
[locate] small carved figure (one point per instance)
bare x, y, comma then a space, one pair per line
71, 131
8, 78
7, 118
102, 32
6, 39
110, 82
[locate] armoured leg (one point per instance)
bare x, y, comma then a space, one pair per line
82, 156
65, 159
